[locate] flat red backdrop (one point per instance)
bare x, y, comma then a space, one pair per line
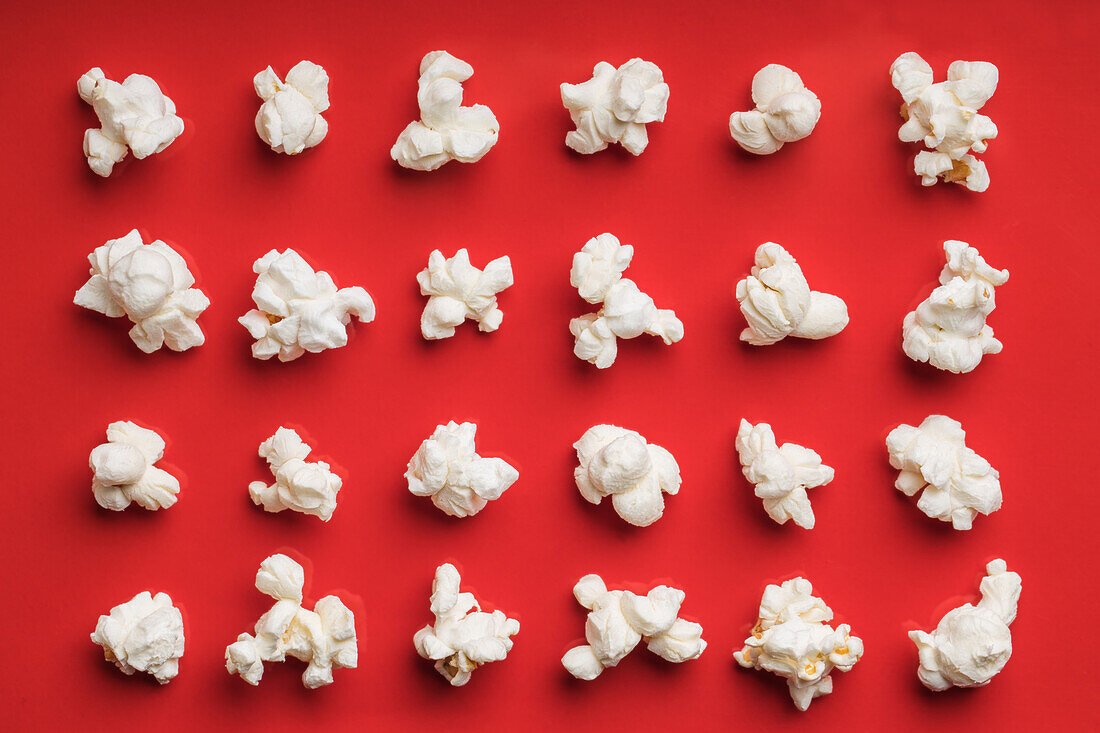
845, 202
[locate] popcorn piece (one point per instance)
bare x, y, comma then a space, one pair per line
626, 311
457, 290
956, 483
463, 637
948, 329
792, 639
615, 105
144, 634
617, 462
134, 114
618, 620
781, 475
446, 131
299, 310
777, 302
945, 117
290, 118
149, 284
306, 487
786, 111
459, 481
123, 470
323, 637
972, 643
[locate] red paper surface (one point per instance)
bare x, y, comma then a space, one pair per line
845, 202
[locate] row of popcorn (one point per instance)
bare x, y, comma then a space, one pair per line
301, 310
614, 106
792, 637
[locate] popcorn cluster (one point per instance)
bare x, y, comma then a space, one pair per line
306, 487
786, 111
290, 120
956, 484
777, 301
144, 634
945, 117
323, 637
617, 462
149, 284
446, 130
463, 636
619, 620
972, 643
133, 116
948, 330
780, 474
299, 310
123, 470
447, 468
615, 105
457, 290
625, 312
792, 639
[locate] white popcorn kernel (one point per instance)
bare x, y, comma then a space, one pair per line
625, 312
972, 643
792, 639
956, 484
463, 636
777, 301
447, 468
299, 310
786, 111
945, 118
123, 470
446, 131
306, 487
780, 474
151, 285
615, 105
618, 620
948, 329
134, 115
457, 290
144, 634
323, 637
617, 462
289, 120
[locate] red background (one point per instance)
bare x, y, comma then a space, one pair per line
845, 202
